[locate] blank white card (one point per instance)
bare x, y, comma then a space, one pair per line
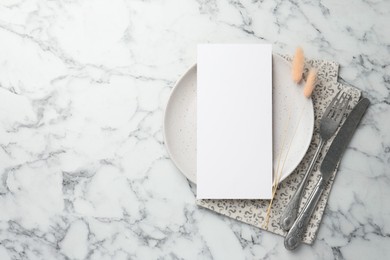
234, 121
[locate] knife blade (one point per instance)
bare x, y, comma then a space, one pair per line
328, 165
342, 139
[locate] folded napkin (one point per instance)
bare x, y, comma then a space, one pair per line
253, 212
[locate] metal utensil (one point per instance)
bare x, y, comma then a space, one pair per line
330, 121
329, 164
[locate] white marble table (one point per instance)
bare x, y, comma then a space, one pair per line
84, 172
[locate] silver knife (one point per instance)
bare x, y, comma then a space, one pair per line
328, 165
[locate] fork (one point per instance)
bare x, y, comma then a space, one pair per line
330, 121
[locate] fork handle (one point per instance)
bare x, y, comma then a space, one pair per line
294, 236
290, 213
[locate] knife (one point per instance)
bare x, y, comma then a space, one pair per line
328, 165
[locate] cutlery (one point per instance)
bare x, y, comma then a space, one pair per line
328, 165
330, 121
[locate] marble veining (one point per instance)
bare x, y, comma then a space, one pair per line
83, 85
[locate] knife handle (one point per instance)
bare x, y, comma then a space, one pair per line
298, 229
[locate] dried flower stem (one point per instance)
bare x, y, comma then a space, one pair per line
279, 175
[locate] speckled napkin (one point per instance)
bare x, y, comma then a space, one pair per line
253, 211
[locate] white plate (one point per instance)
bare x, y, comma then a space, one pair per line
293, 121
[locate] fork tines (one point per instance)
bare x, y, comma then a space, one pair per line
339, 105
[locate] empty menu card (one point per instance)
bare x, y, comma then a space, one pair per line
234, 121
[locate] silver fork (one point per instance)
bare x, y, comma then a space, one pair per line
330, 121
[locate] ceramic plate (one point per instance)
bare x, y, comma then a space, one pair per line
293, 121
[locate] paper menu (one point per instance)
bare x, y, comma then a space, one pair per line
234, 121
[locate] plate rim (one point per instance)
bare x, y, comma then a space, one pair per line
307, 146
174, 89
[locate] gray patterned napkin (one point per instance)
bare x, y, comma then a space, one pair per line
253, 212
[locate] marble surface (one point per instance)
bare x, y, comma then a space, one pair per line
83, 85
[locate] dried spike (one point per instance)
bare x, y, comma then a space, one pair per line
310, 83
298, 64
